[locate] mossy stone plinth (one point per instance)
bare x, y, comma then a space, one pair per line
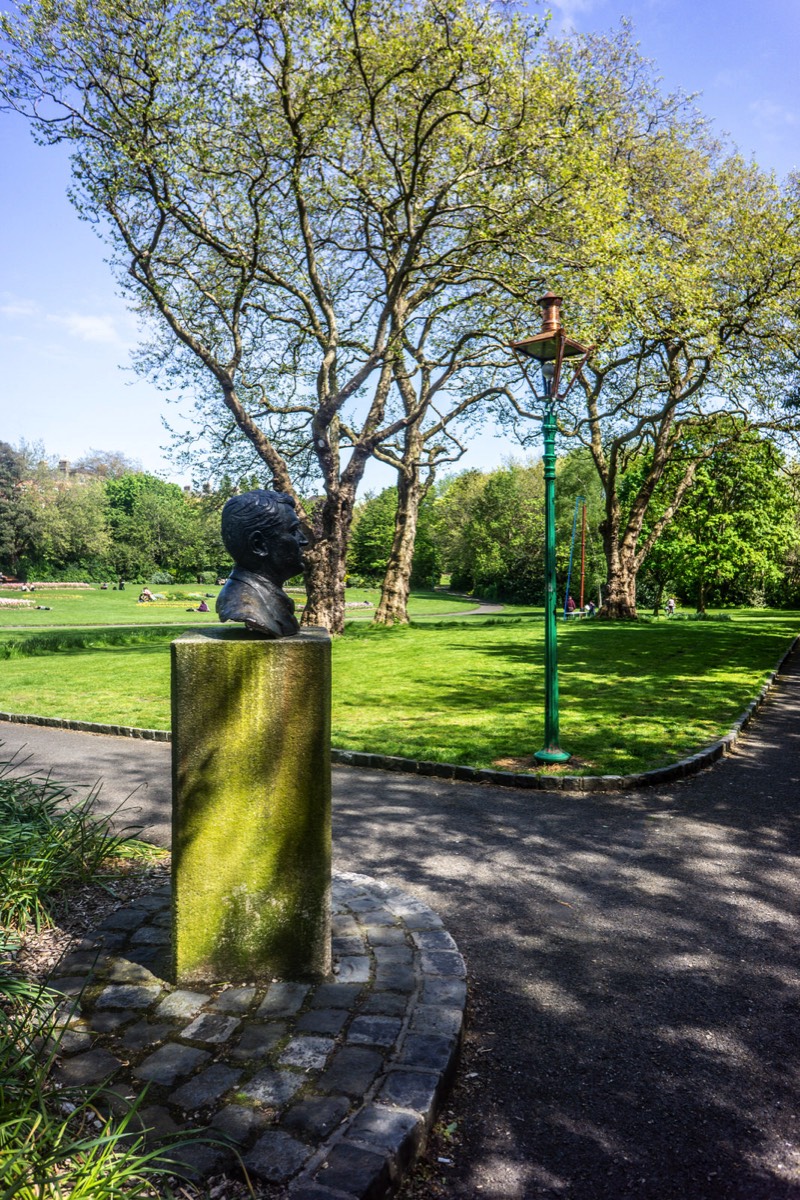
251, 806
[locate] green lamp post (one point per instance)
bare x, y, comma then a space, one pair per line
550, 347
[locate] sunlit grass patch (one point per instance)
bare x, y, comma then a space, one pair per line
633, 696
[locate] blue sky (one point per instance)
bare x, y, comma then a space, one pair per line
65, 336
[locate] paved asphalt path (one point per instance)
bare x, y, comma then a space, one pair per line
635, 1005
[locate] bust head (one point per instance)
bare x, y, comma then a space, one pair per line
262, 533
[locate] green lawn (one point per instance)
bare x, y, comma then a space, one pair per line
468, 691
79, 608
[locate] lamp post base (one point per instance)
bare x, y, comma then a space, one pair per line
552, 754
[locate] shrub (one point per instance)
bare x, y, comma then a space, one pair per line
46, 848
161, 577
57, 1141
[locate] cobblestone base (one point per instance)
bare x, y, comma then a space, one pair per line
328, 1090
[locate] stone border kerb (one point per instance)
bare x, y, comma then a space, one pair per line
462, 774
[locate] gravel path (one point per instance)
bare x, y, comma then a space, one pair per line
634, 962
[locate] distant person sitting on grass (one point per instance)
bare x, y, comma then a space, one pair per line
145, 596
202, 607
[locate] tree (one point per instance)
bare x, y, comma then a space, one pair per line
737, 526
371, 541
106, 464
308, 204
494, 544
684, 272
154, 526
71, 535
373, 535
17, 517
576, 477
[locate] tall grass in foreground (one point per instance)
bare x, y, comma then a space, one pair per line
57, 1143
47, 848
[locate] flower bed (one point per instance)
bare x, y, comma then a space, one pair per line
7, 603
17, 587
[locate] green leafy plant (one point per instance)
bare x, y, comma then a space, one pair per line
46, 848
58, 1142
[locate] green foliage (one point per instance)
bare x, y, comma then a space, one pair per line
489, 528
18, 518
683, 274
371, 541
492, 532
47, 847
576, 476
102, 523
53, 1141
157, 529
732, 536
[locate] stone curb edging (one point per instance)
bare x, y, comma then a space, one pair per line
463, 774
329, 1090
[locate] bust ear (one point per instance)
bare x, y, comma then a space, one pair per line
258, 544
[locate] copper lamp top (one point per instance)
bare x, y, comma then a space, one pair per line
546, 344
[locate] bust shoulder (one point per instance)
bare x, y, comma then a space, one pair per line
255, 600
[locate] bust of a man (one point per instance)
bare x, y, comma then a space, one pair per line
262, 534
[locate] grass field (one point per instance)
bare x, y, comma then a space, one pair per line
469, 691
79, 608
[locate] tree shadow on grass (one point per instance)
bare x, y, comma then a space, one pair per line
630, 699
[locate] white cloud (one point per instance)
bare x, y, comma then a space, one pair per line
19, 308
565, 12
83, 327
87, 328
768, 112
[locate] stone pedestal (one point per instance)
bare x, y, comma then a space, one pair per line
251, 831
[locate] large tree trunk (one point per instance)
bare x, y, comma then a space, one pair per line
622, 567
397, 580
325, 562
620, 601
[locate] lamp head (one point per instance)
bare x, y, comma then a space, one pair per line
550, 343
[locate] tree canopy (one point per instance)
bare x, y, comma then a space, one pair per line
684, 273
737, 528
307, 204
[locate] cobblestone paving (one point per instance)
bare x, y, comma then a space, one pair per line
328, 1089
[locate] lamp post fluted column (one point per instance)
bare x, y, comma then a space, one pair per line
550, 348
551, 752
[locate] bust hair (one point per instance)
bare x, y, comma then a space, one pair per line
260, 511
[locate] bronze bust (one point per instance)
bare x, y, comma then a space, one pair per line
262, 534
